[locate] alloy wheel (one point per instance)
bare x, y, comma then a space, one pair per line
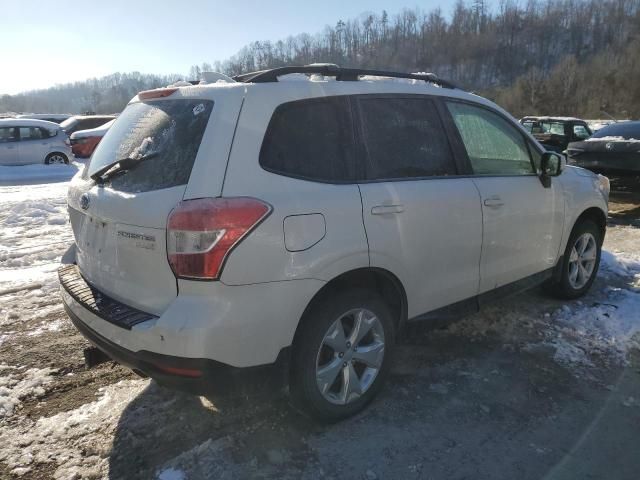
56, 159
350, 356
582, 260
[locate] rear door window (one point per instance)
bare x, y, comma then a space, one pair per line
311, 139
166, 134
31, 133
404, 138
8, 134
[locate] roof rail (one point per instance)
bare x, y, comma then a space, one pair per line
341, 74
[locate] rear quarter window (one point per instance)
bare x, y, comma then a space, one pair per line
311, 139
168, 132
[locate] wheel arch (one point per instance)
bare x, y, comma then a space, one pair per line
375, 279
596, 215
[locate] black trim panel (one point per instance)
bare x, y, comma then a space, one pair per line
97, 302
475, 303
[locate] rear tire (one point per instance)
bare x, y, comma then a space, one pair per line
56, 158
580, 261
341, 355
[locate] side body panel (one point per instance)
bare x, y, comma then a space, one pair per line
263, 255
431, 243
581, 193
523, 225
32, 150
9, 153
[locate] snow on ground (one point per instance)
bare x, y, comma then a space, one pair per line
34, 233
605, 323
609, 326
72, 442
38, 173
78, 442
16, 385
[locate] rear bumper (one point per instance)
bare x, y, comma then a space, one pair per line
199, 376
233, 336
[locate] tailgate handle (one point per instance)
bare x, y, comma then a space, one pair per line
386, 209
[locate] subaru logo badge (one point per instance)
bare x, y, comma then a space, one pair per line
84, 201
609, 146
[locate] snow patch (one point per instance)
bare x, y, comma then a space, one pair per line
14, 387
609, 328
72, 442
622, 264
612, 138
38, 173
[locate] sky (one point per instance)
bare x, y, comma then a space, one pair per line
59, 41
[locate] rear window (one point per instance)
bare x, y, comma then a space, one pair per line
169, 132
311, 139
89, 123
68, 124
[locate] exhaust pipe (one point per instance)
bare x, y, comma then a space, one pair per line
94, 356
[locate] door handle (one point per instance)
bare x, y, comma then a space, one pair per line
385, 209
493, 202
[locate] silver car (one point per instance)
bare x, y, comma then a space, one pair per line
26, 141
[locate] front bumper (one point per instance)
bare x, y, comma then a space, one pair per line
628, 165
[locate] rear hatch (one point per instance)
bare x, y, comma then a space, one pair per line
120, 226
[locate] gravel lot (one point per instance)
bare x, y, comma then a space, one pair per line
529, 388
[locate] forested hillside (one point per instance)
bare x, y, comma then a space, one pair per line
575, 57
102, 95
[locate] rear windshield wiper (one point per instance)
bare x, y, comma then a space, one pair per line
120, 167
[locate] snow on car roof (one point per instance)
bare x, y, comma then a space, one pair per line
93, 132
27, 122
552, 119
39, 116
612, 138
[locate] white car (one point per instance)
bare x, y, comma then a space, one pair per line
262, 231
49, 117
26, 141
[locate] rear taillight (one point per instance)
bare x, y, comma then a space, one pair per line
202, 232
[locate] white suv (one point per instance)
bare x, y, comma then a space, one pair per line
267, 229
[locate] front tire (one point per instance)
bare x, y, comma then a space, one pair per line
580, 262
341, 355
56, 158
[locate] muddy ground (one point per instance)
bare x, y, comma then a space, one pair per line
485, 397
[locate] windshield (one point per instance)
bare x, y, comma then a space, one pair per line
626, 130
166, 132
539, 127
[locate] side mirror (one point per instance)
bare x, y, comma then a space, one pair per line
551, 165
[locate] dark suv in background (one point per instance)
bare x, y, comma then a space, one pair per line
555, 133
84, 122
